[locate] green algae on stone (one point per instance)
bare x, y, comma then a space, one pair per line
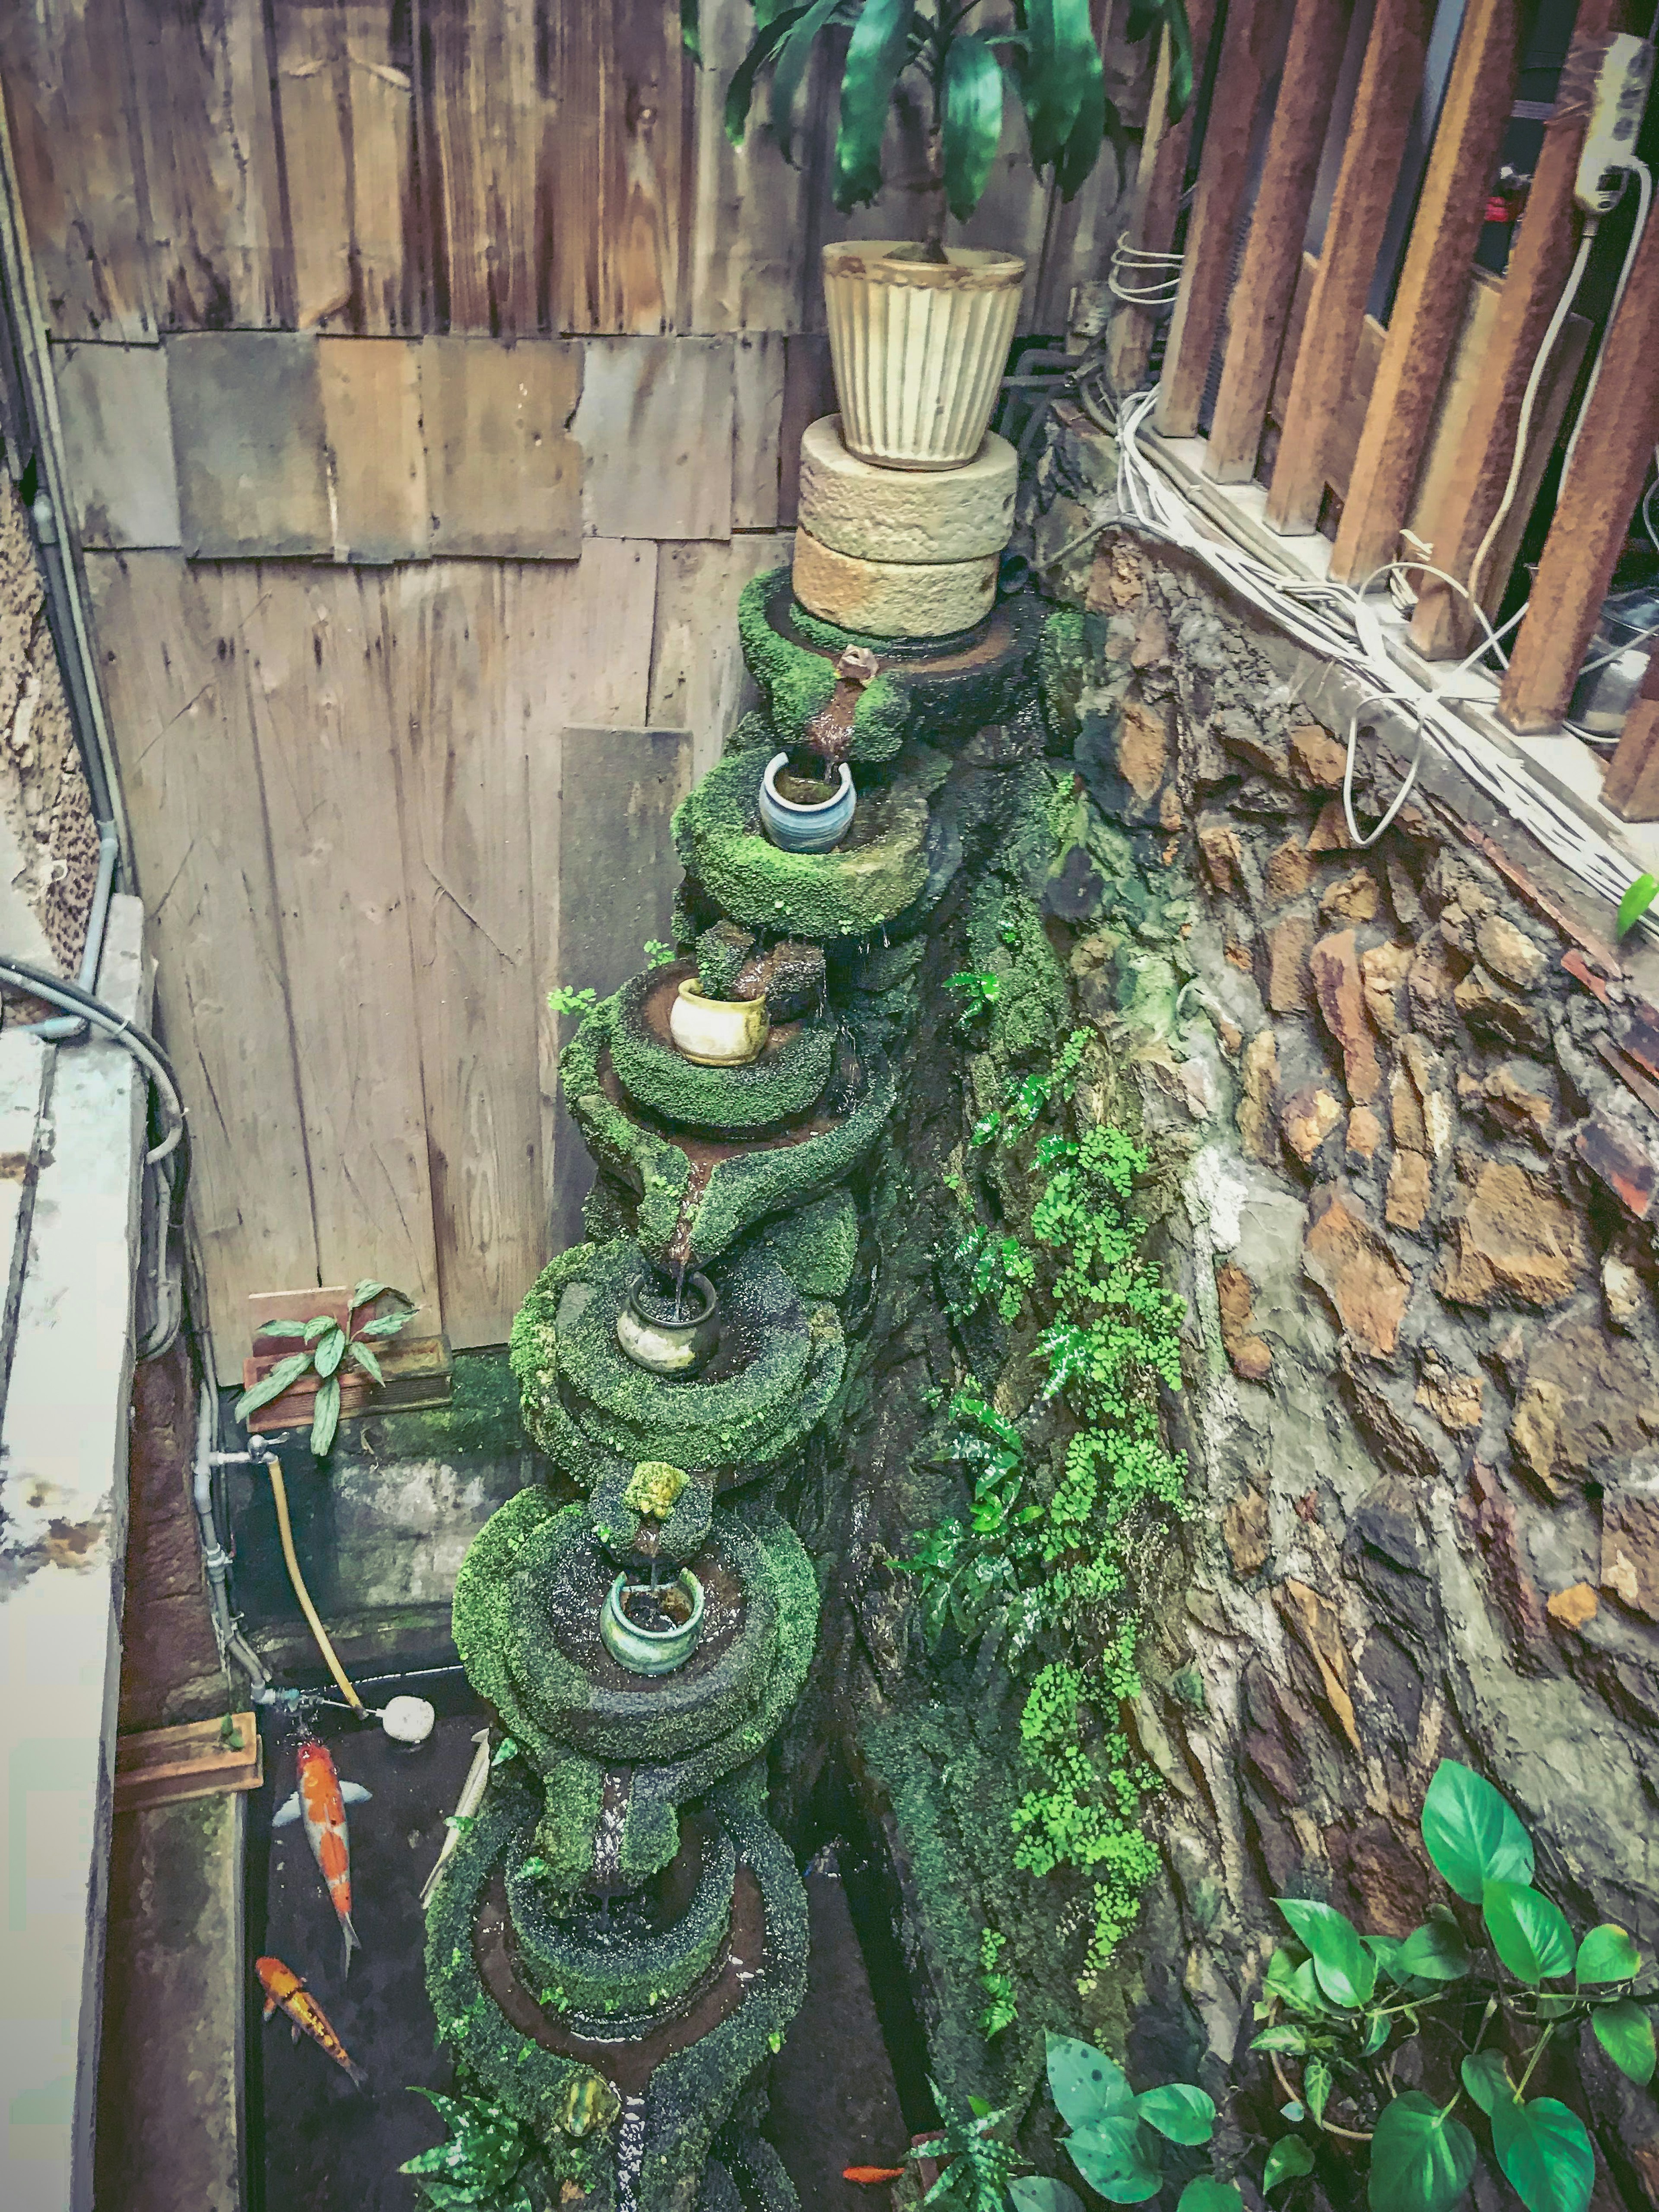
737, 1183
616, 1521
1063, 672
817, 1246
788, 1076
798, 681
1006, 939
848, 892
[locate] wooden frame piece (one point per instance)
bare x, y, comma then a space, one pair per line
1252, 41
1390, 82
164, 1767
1544, 251
1273, 254
1631, 787
1428, 308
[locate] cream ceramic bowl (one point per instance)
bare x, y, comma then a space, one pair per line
717, 1032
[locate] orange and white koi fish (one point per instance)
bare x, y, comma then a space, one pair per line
283, 1987
320, 1801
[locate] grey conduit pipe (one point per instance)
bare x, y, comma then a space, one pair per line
216, 1560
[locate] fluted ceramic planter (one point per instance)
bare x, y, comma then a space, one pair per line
794, 827
918, 347
653, 1648
656, 1338
717, 1032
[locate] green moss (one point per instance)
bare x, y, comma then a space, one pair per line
817, 1247
797, 679
481, 1418
789, 1075
587, 1404
1006, 939
617, 1524
1062, 668
848, 892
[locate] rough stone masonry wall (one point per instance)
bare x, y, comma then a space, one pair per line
1423, 1416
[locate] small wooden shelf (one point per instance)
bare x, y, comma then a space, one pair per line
161, 1766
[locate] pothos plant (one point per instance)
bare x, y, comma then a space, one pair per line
326, 1345
1048, 56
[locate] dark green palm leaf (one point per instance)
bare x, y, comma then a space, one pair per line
878, 51
741, 90
1082, 149
690, 32
973, 121
794, 53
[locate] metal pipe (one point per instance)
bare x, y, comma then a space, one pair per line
216, 1560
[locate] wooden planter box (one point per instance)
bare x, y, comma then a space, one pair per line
417, 1369
161, 1766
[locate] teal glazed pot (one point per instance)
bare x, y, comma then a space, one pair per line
651, 1650
795, 828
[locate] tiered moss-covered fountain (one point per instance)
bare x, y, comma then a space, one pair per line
621, 1940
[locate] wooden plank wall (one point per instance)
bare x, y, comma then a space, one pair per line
432, 374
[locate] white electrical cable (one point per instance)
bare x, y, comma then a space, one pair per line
1153, 279
1540, 362
1644, 208
1351, 635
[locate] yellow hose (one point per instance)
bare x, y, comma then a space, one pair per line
280, 1494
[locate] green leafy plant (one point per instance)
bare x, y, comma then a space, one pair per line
564, 1000
1000, 1268
657, 954
975, 2164
979, 994
326, 1346
480, 2164
1050, 59
1499, 1982
1001, 2011
1116, 2138
1638, 897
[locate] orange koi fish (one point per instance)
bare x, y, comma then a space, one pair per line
869, 2175
283, 1987
321, 1800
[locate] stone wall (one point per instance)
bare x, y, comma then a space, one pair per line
1412, 1090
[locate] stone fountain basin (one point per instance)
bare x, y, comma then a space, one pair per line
698, 1193
587, 1405
787, 1079
870, 877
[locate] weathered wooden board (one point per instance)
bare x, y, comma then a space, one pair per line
247, 434
749, 265
67, 73
462, 767
376, 450
315, 654
117, 443
698, 681
172, 655
656, 427
615, 178
1155, 194
481, 105
201, 90
345, 79
503, 471
809, 391
617, 876
757, 428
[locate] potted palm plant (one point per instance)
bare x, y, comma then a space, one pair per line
920, 332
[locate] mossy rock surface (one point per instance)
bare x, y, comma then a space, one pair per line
690, 2094
527, 1601
787, 1079
698, 1193
849, 892
617, 1524
944, 690
817, 1246
593, 1971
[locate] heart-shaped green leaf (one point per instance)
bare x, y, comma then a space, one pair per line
1317, 2083
1607, 1954
1624, 2031
1486, 2078
1035, 2192
1289, 2158
1205, 2194
1545, 2153
1376, 2033
1345, 1970
1435, 1952
1422, 2159
1118, 2157
1471, 1834
1529, 1931
1086, 2084
1180, 2111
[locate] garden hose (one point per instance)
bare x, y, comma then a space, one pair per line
278, 1492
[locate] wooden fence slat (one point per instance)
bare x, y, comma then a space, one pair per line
202, 91
504, 472
322, 713
1252, 42
655, 426
1544, 249
1428, 305
615, 179
1593, 508
174, 661
749, 264
345, 83
66, 76
376, 449
247, 435
1630, 788
1273, 254
480, 111
117, 444
698, 681
757, 429
464, 802
1390, 81
1159, 181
